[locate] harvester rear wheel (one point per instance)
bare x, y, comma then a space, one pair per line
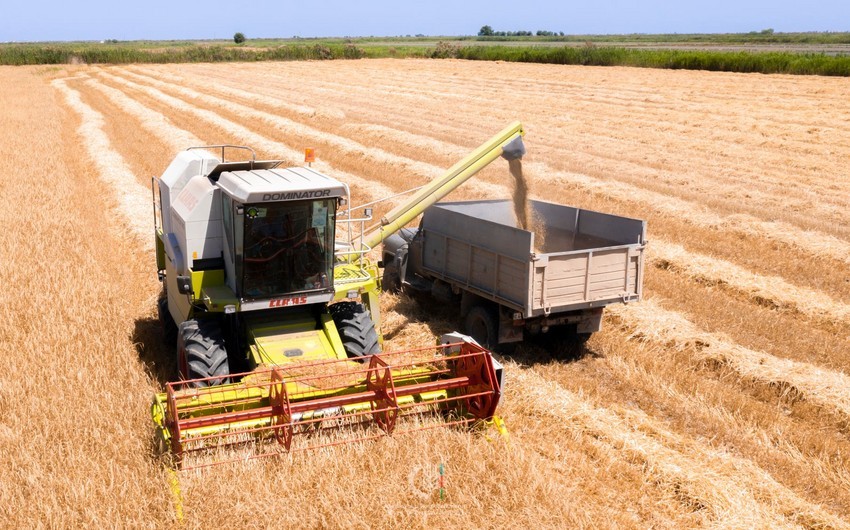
201, 353
356, 329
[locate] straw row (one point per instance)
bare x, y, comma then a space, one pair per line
133, 198
648, 321
589, 142
245, 135
770, 291
733, 492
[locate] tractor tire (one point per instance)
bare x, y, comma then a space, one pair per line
482, 324
201, 353
169, 328
356, 329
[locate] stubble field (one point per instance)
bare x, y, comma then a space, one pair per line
722, 400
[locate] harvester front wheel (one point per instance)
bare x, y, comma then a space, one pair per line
356, 329
201, 353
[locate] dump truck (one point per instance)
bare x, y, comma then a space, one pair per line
274, 303
510, 283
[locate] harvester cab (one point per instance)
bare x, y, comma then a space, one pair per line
247, 253
277, 324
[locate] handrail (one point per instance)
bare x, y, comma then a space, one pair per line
223, 147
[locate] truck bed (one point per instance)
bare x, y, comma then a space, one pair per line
583, 259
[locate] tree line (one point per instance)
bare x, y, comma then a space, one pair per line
488, 31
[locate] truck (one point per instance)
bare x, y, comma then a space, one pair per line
509, 283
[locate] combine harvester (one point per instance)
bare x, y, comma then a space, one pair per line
278, 324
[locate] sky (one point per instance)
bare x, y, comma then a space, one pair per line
43, 20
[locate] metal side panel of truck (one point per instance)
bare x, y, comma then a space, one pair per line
585, 260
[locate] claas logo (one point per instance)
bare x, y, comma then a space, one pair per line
286, 302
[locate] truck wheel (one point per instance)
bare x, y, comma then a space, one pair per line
201, 353
169, 328
356, 329
481, 324
391, 280
565, 343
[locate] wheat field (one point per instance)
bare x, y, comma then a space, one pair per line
721, 401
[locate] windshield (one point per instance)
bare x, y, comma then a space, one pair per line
287, 247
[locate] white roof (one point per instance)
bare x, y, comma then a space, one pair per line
279, 184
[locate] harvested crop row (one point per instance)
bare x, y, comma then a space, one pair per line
758, 326
730, 492
820, 244
730, 102
264, 144
154, 122
134, 199
140, 152
759, 288
344, 146
241, 133
648, 321
444, 81
796, 445
784, 190
371, 85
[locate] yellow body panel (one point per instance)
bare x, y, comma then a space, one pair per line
297, 339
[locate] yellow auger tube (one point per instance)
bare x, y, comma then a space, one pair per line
439, 188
